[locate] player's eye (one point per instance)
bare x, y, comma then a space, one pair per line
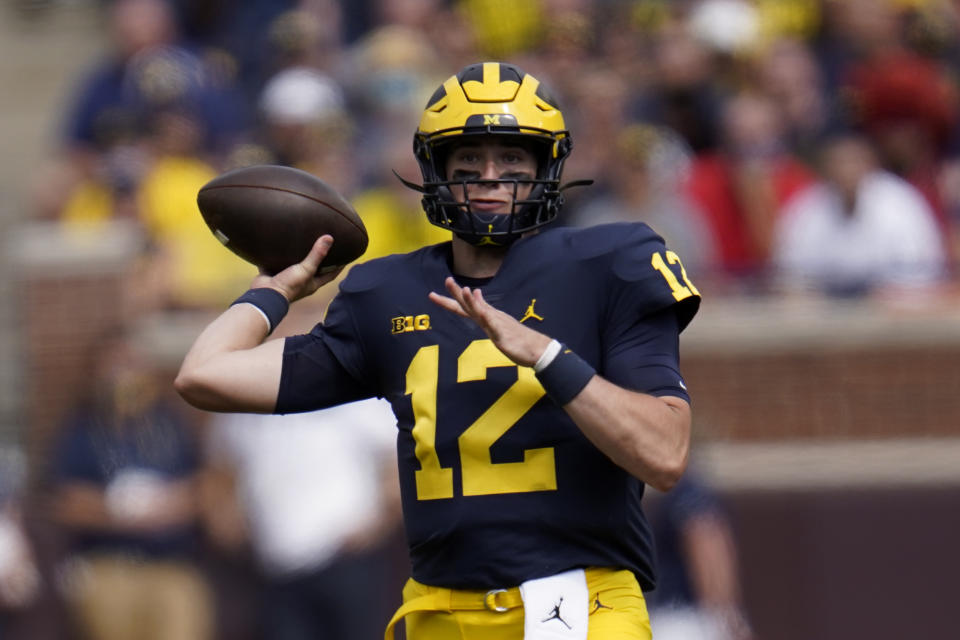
467, 157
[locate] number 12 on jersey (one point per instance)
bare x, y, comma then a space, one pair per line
480, 475
679, 290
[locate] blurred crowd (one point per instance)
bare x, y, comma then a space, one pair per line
780, 146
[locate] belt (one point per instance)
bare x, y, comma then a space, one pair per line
440, 599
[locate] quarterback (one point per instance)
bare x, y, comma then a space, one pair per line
533, 372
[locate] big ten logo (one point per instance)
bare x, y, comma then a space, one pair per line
404, 324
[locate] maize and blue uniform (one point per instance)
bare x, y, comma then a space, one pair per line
498, 484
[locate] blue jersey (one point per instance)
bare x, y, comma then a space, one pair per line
498, 484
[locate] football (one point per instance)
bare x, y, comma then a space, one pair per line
270, 215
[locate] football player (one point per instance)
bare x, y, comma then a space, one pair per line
533, 372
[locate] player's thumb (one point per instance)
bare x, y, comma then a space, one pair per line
317, 253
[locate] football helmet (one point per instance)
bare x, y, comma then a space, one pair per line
484, 99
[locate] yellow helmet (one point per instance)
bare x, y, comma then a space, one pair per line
498, 99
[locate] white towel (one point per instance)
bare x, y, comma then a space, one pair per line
556, 607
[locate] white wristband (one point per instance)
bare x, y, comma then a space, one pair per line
551, 352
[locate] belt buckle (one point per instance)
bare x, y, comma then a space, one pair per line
490, 600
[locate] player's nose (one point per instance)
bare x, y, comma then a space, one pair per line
491, 171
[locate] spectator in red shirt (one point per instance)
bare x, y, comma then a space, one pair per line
742, 185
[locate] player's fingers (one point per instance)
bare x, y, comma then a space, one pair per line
471, 303
317, 253
481, 312
466, 299
301, 279
447, 303
478, 302
483, 308
477, 306
323, 277
458, 293
455, 290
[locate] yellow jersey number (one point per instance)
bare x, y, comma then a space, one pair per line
679, 291
480, 475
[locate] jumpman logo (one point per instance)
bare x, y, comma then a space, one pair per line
597, 605
555, 615
530, 313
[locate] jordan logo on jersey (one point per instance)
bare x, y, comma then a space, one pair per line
530, 313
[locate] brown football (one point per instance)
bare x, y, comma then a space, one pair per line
270, 215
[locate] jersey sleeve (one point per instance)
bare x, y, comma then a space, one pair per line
646, 357
647, 277
325, 367
651, 301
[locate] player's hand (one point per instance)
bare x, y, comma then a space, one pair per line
301, 279
518, 342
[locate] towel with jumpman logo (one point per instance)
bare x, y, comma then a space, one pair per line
556, 607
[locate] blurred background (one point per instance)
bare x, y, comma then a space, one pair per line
802, 157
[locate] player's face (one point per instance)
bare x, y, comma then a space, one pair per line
491, 160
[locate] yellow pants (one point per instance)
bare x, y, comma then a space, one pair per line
618, 611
